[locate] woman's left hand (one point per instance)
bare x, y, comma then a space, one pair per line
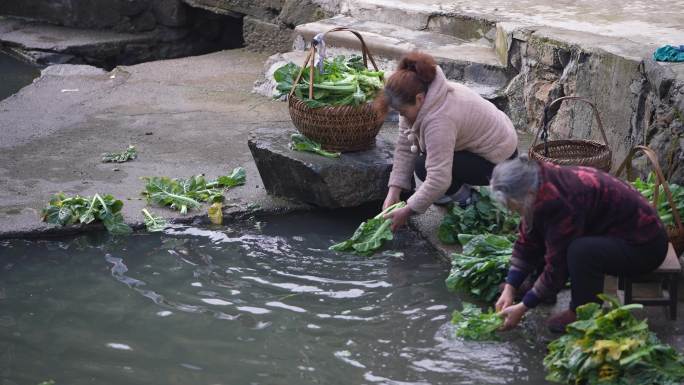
399, 217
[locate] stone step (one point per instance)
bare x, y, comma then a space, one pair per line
42, 42
466, 61
442, 17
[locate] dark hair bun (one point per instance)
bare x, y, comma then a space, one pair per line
422, 64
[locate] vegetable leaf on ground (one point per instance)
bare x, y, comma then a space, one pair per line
63, 210
472, 324
154, 223
184, 194
119, 157
370, 235
484, 216
481, 266
300, 142
610, 346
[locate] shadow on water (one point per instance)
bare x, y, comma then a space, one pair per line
259, 302
15, 74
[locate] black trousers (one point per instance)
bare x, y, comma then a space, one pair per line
590, 258
468, 168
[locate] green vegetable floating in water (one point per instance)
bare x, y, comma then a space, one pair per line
154, 223
344, 81
610, 346
63, 210
483, 216
300, 142
120, 157
370, 235
183, 194
481, 266
472, 324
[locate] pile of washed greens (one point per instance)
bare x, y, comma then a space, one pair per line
486, 215
342, 82
481, 266
610, 346
647, 189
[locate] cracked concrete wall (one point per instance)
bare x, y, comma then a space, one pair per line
639, 101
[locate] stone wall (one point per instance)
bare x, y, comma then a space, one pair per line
269, 24
120, 15
639, 101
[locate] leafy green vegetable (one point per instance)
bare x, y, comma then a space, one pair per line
154, 223
647, 188
183, 194
484, 216
302, 143
370, 235
119, 157
481, 266
344, 81
63, 210
215, 213
472, 324
610, 346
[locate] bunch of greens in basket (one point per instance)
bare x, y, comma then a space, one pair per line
183, 194
370, 235
300, 142
472, 324
343, 82
647, 187
119, 157
610, 346
481, 266
484, 216
63, 210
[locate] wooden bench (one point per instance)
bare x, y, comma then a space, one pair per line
668, 273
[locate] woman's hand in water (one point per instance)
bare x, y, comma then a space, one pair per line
512, 315
399, 217
393, 196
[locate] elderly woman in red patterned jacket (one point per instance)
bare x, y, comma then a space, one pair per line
582, 224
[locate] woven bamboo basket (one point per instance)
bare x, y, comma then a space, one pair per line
571, 152
339, 128
675, 233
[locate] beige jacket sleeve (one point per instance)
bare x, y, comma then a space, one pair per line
440, 139
404, 160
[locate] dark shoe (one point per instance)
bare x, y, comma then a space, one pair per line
557, 322
443, 201
464, 196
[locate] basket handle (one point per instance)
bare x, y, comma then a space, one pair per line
660, 179
311, 58
544, 128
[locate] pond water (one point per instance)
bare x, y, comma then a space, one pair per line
15, 74
254, 303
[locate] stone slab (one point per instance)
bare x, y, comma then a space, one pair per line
45, 37
351, 180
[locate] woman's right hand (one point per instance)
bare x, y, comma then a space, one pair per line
393, 196
506, 298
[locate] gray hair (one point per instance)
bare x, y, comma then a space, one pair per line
514, 180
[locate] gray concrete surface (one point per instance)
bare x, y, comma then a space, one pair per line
186, 116
646, 22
